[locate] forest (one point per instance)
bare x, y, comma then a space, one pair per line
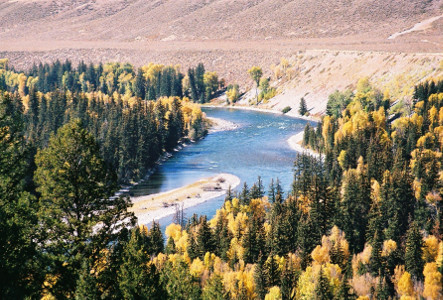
363, 221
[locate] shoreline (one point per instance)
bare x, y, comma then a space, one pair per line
217, 125
153, 207
265, 110
295, 144
294, 141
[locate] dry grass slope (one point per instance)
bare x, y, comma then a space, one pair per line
332, 42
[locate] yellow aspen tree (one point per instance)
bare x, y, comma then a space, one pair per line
405, 285
274, 294
432, 289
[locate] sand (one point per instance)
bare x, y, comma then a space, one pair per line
156, 206
295, 142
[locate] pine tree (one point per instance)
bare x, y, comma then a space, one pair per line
179, 283
376, 263
192, 247
213, 289
32, 115
414, 254
229, 194
140, 89
303, 109
271, 271
244, 195
138, 276
170, 246
259, 277
20, 273
271, 191
322, 290
156, 238
75, 185
86, 284
205, 240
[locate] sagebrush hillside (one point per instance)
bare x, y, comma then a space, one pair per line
230, 36
121, 20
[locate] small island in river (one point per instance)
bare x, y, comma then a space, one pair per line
156, 206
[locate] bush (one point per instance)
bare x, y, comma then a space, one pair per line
286, 109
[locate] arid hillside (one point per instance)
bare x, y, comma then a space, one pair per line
129, 20
229, 36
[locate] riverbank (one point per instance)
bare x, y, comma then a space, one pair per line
156, 206
217, 125
291, 113
295, 142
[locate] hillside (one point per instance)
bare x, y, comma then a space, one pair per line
121, 20
229, 36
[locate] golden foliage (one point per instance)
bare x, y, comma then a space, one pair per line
405, 285
320, 255
274, 294
433, 287
430, 249
389, 246
196, 268
242, 280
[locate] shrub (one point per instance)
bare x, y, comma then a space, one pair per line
286, 109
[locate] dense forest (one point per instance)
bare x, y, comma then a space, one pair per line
134, 115
363, 221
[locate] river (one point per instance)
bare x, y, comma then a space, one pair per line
257, 147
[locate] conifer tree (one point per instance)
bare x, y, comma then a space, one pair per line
303, 109
414, 254
138, 276
20, 273
156, 239
170, 246
75, 186
205, 239
86, 284
259, 277
192, 247
213, 289
322, 290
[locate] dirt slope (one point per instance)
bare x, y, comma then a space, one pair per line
126, 20
229, 36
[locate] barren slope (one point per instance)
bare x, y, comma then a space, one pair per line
229, 36
126, 20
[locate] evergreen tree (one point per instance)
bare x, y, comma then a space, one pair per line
376, 263
322, 290
156, 237
20, 273
86, 284
75, 185
192, 247
303, 109
170, 246
271, 271
178, 281
138, 276
414, 254
213, 289
205, 240
244, 195
140, 86
259, 278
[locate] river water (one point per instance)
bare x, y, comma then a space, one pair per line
257, 147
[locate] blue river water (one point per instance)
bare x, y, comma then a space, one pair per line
258, 147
